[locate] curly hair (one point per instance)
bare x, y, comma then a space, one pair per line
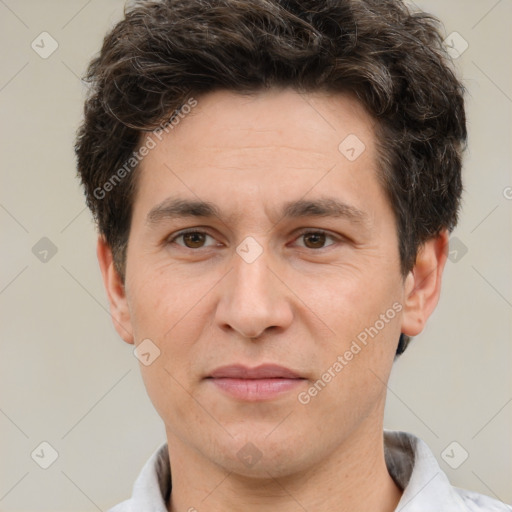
390, 57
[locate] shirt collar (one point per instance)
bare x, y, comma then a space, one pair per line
416, 471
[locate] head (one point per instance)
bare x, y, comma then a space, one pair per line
256, 119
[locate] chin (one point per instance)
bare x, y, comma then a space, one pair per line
257, 455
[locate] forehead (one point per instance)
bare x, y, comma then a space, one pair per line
270, 146
315, 123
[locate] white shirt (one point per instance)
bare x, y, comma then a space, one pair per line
409, 460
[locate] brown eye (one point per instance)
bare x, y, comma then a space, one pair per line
314, 240
194, 240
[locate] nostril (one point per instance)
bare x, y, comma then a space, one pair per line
271, 328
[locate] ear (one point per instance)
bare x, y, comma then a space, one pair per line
115, 288
423, 284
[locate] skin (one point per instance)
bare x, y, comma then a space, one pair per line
300, 304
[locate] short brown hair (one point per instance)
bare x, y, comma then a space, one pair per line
392, 59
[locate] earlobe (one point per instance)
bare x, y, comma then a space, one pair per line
115, 289
423, 284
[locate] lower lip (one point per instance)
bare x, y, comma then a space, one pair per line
256, 389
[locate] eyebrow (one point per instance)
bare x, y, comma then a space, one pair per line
174, 208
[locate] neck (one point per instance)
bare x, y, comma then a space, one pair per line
353, 479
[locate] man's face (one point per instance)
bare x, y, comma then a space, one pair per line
311, 277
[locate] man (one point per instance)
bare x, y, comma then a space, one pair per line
274, 184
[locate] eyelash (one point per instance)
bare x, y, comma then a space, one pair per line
300, 234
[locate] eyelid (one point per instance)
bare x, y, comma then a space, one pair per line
307, 231
172, 238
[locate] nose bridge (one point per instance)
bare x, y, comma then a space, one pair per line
251, 282
253, 298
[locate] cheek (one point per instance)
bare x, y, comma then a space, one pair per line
350, 384
172, 316
170, 378
363, 312
164, 298
349, 301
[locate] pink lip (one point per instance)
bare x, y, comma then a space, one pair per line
264, 371
252, 384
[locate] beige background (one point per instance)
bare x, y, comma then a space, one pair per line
66, 378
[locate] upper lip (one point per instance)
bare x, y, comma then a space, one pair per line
264, 371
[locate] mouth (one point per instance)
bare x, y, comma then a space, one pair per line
263, 382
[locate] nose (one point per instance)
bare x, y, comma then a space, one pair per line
254, 299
